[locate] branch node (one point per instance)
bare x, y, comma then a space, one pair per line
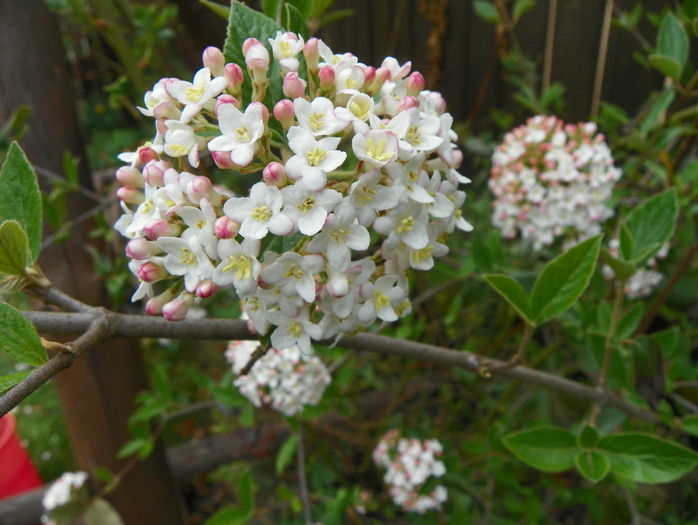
55, 346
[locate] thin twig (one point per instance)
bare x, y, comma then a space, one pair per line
549, 44
302, 480
69, 225
259, 352
53, 176
52, 295
601, 60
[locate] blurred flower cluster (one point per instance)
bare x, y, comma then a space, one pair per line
410, 464
642, 282
552, 180
66, 489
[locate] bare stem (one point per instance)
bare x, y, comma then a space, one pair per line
601, 60
302, 479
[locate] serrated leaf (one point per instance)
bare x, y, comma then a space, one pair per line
511, 290
14, 248
630, 321
648, 226
20, 198
546, 448
18, 337
486, 10
221, 10
588, 437
564, 279
689, 423
294, 21
647, 459
286, 452
593, 465
672, 45
10, 380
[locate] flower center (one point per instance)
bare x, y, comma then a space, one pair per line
306, 205
360, 109
201, 224
413, 136
241, 265
315, 156
295, 272
380, 300
285, 49
406, 225
261, 213
295, 329
339, 235
194, 94
316, 121
365, 195
377, 150
186, 256
178, 150
242, 134
419, 255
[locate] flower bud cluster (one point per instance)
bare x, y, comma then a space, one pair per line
353, 182
409, 464
642, 282
62, 491
285, 380
551, 180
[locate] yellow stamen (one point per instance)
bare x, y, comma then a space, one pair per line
315, 156
178, 150
365, 195
316, 121
295, 272
406, 225
380, 300
241, 265
194, 94
413, 136
261, 213
186, 256
377, 151
339, 235
295, 329
418, 255
242, 134
306, 205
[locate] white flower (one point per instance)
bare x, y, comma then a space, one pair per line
196, 95
358, 110
241, 131
313, 159
259, 213
63, 490
200, 221
294, 330
407, 224
285, 47
239, 265
293, 274
307, 208
422, 134
376, 147
181, 141
367, 196
339, 236
381, 297
317, 116
185, 257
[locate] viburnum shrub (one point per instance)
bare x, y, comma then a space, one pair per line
353, 182
552, 180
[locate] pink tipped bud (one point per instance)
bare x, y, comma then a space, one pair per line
177, 309
149, 272
251, 327
415, 83
248, 43
256, 55
155, 304
146, 154
293, 85
283, 112
233, 74
225, 227
326, 74
264, 110
222, 159
457, 158
407, 103
382, 74
129, 176
369, 75
153, 172
311, 53
166, 110
160, 228
130, 195
199, 187
274, 174
440, 105
206, 289
141, 249
214, 60
226, 99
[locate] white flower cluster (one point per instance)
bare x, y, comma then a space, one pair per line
353, 182
286, 380
642, 282
63, 490
552, 180
409, 464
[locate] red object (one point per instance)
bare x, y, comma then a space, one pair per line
17, 473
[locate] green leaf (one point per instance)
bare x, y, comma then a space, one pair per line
648, 227
657, 110
588, 437
630, 321
304, 7
230, 516
622, 269
285, 455
486, 10
14, 248
647, 459
672, 47
689, 423
10, 380
564, 279
513, 292
246, 491
100, 512
521, 7
18, 337
546, 448
220, 10
135, 446
593, 465
20, 198
272, 8
294, 21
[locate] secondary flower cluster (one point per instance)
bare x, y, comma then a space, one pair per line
352, 182
643, 281
551, 180
286, 380
61, 492
409, 464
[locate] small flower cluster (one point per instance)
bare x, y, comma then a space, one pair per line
552, 180
354, 182
642, 282
286, 380
409, 464
62, 491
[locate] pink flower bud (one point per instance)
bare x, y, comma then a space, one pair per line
263, 108
274, 174
146, 154
149, 272
225, 227
326, 74
440, 105
283, 112
130, 195
206, 289
222, 159
407, 103
214, 60
233, 74
160, 228
338, 285
141, 248
415, 83
226, 99
256, 55
382, 74
155, 304
166, 110
293, 85
177, 309
129, 176
248, 43
199, 187
311, 53
153, 172
369, 75
457, 158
